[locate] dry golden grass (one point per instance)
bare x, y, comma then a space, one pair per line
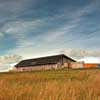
51, 85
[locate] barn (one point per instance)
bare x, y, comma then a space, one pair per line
44, 63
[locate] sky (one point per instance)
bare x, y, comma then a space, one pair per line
31, 28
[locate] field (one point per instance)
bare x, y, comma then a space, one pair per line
51, 85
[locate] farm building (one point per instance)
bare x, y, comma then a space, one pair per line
44, 63
91, 65
91, 62
80, 65
76, 65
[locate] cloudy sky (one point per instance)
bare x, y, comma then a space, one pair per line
32, 28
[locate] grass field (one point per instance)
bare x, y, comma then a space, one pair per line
51, 85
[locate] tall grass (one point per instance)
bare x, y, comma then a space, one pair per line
51, 85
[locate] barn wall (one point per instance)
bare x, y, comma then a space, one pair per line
76, 65
63, 61
41, 67
66, 64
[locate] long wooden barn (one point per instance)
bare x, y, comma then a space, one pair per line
44, 63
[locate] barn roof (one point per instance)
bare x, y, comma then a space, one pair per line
42, 61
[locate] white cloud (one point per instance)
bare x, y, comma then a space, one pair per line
20, 27
76, 18
9, 59
58, 33
80, 53
1, 35
90, 60
7, 62
16, 7
20, 30
28, 46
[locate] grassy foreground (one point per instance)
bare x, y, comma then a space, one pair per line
51, 85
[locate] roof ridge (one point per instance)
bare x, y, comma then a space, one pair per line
45, 57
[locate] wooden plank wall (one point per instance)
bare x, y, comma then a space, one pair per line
41, 67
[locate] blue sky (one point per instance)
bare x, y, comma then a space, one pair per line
39, 27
